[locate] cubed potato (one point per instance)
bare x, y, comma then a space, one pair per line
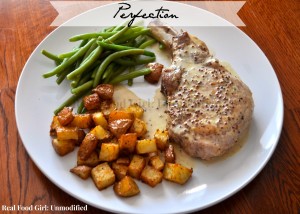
170, 154
65, 116
92, 160
91, 102
126, 187
54, 124
103, 176
83, 171
136, 110
67, 133
120, 114
146, 146
139, 127
119, 127
120, 170
109, 152
99, 119
177, 173
136, 166
156, 162
162, 139
82, 121
63, 147
100, 133
107, 106
104, 91
151, 176
156, 71
123, 160
127, 143
87, 146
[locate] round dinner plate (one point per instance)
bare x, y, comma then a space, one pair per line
211, 182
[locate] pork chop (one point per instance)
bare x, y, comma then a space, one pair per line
209, 107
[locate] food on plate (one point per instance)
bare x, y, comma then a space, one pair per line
209, 107
112, 147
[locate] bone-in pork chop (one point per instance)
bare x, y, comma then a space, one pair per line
209, 108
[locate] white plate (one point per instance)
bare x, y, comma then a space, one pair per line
36, 98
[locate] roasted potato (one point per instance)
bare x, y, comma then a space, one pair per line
107, 106
120, 114
103, 176
100, 133
170, 154
91, 102
68, 133
127, 143
63, 147
146, 146
87, 146
139, 127
120, 170
54, 124
151, 176
99, 119
119, 127
83, 171
156, 70
82, 121
136, 166
177, 173
109, 152
123, 160
162, 139
156, 162
136, 110
65, 116
104, 91
126, 187
92, 160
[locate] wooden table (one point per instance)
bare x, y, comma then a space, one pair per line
273, 24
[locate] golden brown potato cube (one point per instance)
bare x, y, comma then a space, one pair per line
136, 166
82, 121
67, 133
109, 152
136, 109
107, 106
139, 127
65, 116
126, 187
100, 133
156, 70
119, 127
81, 136
83, 172
54, 124
177, 173
99, 119
146, 146
123, 160
103, 176
170, 154
162, 139
63, 147
92, 160
120, 114
120, 170
156, 163
91, 102
151, 176
87, 146
104, 91
127, 143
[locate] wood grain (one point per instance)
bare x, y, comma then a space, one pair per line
273, 24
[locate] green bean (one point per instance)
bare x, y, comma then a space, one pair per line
162, 46
67, 54
51, 56
82, 88
63, 75
132, 36
147, 43
136, 61
89, 51
112, 57
121, 48
70, 101
70, 61
117, 35
91, 36
130, 75
120, 70
80, 108
83, 43
109, 70
140, 40
130, 81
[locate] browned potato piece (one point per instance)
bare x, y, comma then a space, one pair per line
63, 147
151, 176
170, 154
177, 173
54, 124
139, 127
99, 119
91, 102
92, 160
136, 166
156, 162
146, 146
82, 121
65, 116
119, 127
83, 172
136, 109
100, 133
103, 176
109, 152
104, 91
87, 146
68, 133
162, 139
156, 70
126, 187
127, 143
107, 106
120, 170
123, 160
120, 114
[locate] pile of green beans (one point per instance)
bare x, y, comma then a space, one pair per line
114, 55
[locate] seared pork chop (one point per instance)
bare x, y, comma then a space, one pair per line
209, 108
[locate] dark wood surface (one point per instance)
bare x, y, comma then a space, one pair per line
273, 24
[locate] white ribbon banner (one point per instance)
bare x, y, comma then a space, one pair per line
69, 9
